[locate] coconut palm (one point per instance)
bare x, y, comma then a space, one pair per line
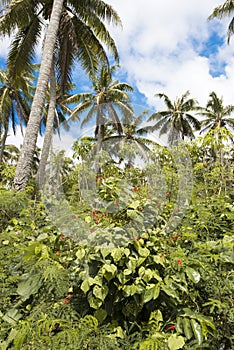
225, 10
216, 114
105, 103
176, 120
85, 20
133, 136
15, 100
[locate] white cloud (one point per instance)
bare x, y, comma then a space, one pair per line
161, 48
4, 46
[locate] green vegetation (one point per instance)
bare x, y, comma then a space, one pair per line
156, 287
126, 244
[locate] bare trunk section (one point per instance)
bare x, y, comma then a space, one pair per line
49, 130
3, 142
23, 170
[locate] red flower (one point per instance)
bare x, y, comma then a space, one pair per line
175, 236
138, 238
57, 252
91, 230
168, 194
62, 236
179, 262
74, 217
96, 222
140, 208
94, 213
170, 328
135, 189
97, 179
66, 301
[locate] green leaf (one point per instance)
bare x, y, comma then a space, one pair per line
94, 302
100, 315
29, 286
193, 275
187, 328
12, 316
151, 292
197, 330
109, 271
175, 342
86, 284
80, 253
143, 252
100, 292
117, 254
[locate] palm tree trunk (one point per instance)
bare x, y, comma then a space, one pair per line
23, 170
3, 142
49, 130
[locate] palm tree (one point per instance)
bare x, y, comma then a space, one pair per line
15, 100
55, 116
84, 19
176, 120
216, 114
133, 137
107, 99
225, 10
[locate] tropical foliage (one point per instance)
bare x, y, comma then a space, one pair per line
177, 120
120, 282
128, 244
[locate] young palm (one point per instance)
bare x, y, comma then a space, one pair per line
176, 120
216, 114
108, 100
15, 100
73, 25
225, 10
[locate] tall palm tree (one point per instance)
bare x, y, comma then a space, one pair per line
225, 10
109, 97
15, 100
55, 116
176, 120
216, 114
82, 18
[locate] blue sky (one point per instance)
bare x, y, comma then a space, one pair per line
169, 46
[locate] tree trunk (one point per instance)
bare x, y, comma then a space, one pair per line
49, 130
3, 142
23, 170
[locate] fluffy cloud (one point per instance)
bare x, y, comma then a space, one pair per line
171, 47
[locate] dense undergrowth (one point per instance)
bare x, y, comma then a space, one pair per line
152, 286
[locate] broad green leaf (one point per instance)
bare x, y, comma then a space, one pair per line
170, 291
29, 286
109, 271
94, 302
12, 316
100, 292
143, 252
188, 332
80, 253
193, 275
100, 315
151, 292
175, 342
117, 254
86, 284
197, 330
